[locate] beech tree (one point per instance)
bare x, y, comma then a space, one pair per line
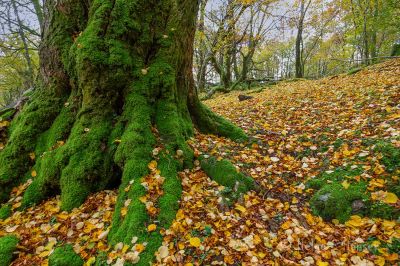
115, 82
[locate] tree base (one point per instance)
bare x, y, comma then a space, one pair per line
78, 151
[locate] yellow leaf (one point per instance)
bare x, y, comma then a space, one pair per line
355, 221
345, 184
33, 174
380, 261
388, 225
62, 216
286, 225
44, 254
4, 124
50, 245
195, 242
322, 263
90, 261
125, 249
139, 248
240, 208
180, 215
152, 165
261, 255
379, 169
16, 205
390, 198
151, 227
32, 156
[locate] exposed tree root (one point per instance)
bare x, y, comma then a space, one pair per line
225, 173
15, 159
82, 150
208, 121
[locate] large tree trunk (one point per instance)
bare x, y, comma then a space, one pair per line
116, 82
202, 54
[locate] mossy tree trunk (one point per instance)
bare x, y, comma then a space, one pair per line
116, 82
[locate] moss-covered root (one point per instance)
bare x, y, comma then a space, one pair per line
168, 205
89, 166
37, 117
8, 245
209, 122
132, 155
50, 156
5, 211
65, 256
226, 174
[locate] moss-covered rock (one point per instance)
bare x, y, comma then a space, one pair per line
333, 201
8, 245
355, 70
384, 211
396, 50
5, 211
65, 256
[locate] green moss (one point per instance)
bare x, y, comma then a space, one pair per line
384, 211
338, 175
133, 155
390, 155
101, 259
65, 256
172, 187
89, 166
50, 157
226, 174
8, 245
6, 115
333, 201
394, 187
396, 50
355, 70
34, 119
5, 211
171, 127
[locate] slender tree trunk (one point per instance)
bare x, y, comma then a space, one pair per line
39, 12
203, 57
116, 82
24, 41
299, 40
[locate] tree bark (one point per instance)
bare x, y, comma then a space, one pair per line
202, 54
299, 39
24, 42
39, 12
116, 82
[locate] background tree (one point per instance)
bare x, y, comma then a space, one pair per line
115, 85
19, 39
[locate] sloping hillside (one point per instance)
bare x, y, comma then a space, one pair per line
328, 148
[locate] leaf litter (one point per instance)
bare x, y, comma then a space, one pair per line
299, 131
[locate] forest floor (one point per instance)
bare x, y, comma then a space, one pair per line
301, 130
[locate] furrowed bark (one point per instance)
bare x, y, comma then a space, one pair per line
116, 82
